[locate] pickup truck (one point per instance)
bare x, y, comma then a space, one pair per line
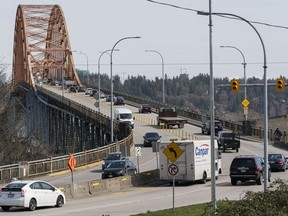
168, 117
228, 140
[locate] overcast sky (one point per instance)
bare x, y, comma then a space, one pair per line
181, 36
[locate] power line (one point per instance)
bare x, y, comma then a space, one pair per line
224, 16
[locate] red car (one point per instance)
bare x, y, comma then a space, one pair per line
145, 108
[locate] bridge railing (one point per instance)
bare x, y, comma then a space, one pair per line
60, 163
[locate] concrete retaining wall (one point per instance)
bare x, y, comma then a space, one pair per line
97, 187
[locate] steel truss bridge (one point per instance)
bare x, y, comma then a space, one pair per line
42, 50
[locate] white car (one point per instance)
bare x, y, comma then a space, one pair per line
88, 91
30, 194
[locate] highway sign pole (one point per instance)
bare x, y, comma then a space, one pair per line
173, 193
138, 164
138, 153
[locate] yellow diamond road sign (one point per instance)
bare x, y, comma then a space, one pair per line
245, 103
173, 152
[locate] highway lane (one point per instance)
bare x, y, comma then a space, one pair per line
142, 199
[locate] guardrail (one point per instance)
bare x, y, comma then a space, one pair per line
55, 164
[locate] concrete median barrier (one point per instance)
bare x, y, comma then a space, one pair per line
97, 187
125, 182
113, 184
81, 190
145, 178
67, 190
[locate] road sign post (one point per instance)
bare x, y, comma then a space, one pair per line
138, 153
72, 165
173, 152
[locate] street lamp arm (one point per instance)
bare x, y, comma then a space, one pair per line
244, 62
265, 93
163, 90
111, 92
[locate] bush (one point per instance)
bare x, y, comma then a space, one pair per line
272, 202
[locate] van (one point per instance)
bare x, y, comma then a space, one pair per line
124, 115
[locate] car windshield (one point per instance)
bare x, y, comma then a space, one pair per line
126, 116
145, 106
113, 157
117, 164
243, 162
274, 156
152, 135
227, 135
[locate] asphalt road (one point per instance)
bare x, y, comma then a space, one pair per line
156, 196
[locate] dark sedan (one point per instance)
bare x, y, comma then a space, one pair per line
119, 168
277, 162
150, 137
145, 108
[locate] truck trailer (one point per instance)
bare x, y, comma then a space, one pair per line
193, 160
168, 116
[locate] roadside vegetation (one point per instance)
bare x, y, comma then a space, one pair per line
273, 202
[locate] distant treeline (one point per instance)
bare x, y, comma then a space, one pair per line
194, 94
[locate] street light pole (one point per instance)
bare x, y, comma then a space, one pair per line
111, 63
102, 53
266, 184
163, 91
244, 66
87, 64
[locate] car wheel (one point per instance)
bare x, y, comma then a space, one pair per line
60, 201
223, 149
233, 181
204, 178
6, 208
237, 150
32, 204
259, 181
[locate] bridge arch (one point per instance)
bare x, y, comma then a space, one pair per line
42, 47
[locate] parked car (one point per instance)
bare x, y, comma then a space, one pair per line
248, 167
111, 157
108, 98
81, 89
73, 88
277, 162
102, 95
119, 101
88, 91
228, 140
145, 108
119, 168
30, 194
93, 92
206, 127
150, 137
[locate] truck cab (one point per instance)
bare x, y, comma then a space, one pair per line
124, 115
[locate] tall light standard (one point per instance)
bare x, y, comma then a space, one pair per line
111, 63
87, 64
244, 66
163, 92
266, 184
99, 96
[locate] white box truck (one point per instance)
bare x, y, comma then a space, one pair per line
124, 115
193, 160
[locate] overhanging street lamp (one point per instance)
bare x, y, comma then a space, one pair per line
163, 91
99, 96
266, 184
86, 64
244, 66
111, 63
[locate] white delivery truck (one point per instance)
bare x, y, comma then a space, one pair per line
191, 160
124, 115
